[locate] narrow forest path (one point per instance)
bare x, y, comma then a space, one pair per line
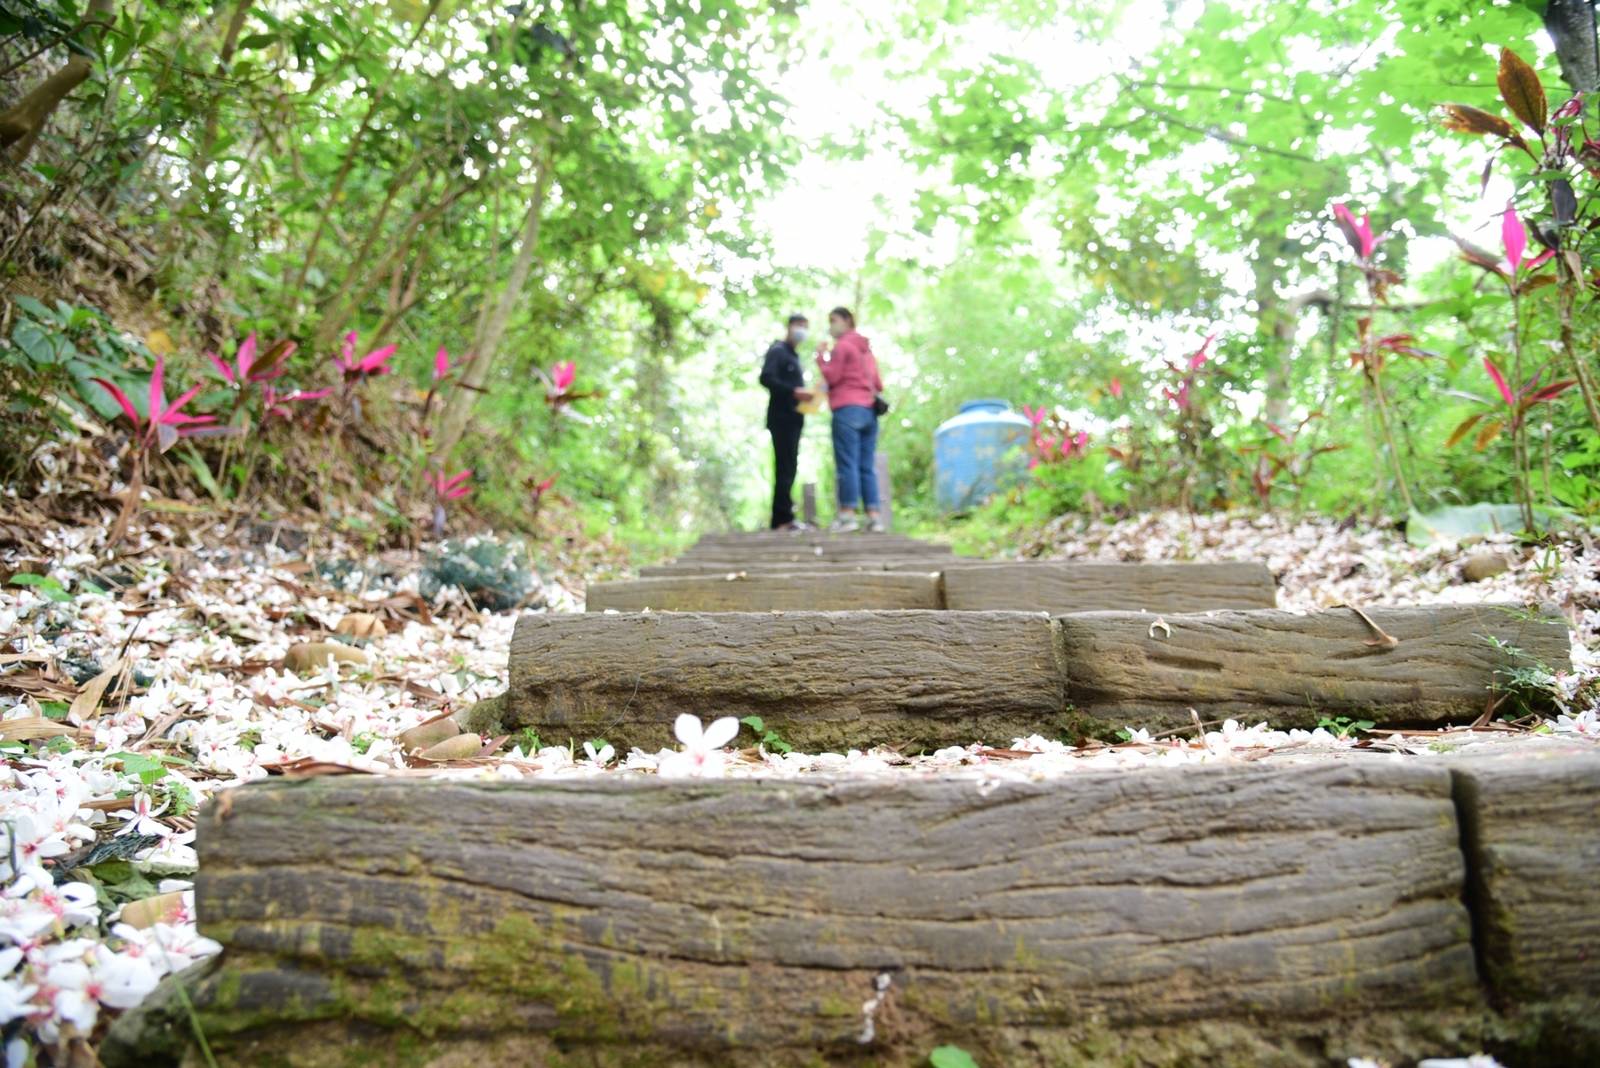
994, 902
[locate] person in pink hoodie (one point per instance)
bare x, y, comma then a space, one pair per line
851, 373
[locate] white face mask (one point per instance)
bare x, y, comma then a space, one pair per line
798, 334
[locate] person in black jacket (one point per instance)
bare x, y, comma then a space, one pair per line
784, 379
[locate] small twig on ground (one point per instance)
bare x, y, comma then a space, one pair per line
1384, 639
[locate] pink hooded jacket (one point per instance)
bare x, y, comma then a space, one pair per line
851, 372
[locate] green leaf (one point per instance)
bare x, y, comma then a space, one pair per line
33, 308
951, 1057
149, 769
755, 723
1449, 524
202, 473
35, 344
121, 881
48, 588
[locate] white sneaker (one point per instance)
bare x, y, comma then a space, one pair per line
845, 524
876, 527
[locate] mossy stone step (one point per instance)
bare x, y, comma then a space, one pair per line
836, 680
1033, 586
721, 567
1228, 915
811, 537
743, 592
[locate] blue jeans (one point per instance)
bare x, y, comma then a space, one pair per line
855, 439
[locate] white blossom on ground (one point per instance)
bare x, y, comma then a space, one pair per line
701, 755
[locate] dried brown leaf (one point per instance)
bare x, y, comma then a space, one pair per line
1463, 118
1522, 91
29, 728
86, 705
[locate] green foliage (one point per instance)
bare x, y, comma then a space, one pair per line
951, 1057
494, 575
178, 796
302, 173
45, 371
1344, 726
149, 769
1526, 685
377, 167
770, 739
118, 882
1106, 219
48, 588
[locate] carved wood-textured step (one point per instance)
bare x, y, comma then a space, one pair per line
853, 679
1534, 844
1058, 588
1291, 668
753, 920
1030, 586
823, 592
825, 679
780, 567
802, 554
736, 543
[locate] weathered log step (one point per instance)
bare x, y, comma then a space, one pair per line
834, 680
1224, 915
814, 539
801, 554
816, 591
810, 563
1033, 586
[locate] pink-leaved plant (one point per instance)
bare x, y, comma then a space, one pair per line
163, 424
247, 368
158, 429
371, 365
446, 488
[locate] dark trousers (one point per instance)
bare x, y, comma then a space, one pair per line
786, 462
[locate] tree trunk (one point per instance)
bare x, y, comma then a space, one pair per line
298, 284
1285, 323
1571, 24
492, 324
23, 122
336, 308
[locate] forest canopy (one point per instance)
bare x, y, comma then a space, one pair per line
1333, 255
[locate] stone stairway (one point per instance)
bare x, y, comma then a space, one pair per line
1295, 910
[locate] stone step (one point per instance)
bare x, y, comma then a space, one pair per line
773, 539
1032, 586
1234, 914
837, 680
722, 567
799, 553
824, 591
1059, 587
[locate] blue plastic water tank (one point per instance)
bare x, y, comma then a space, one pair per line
975, 453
